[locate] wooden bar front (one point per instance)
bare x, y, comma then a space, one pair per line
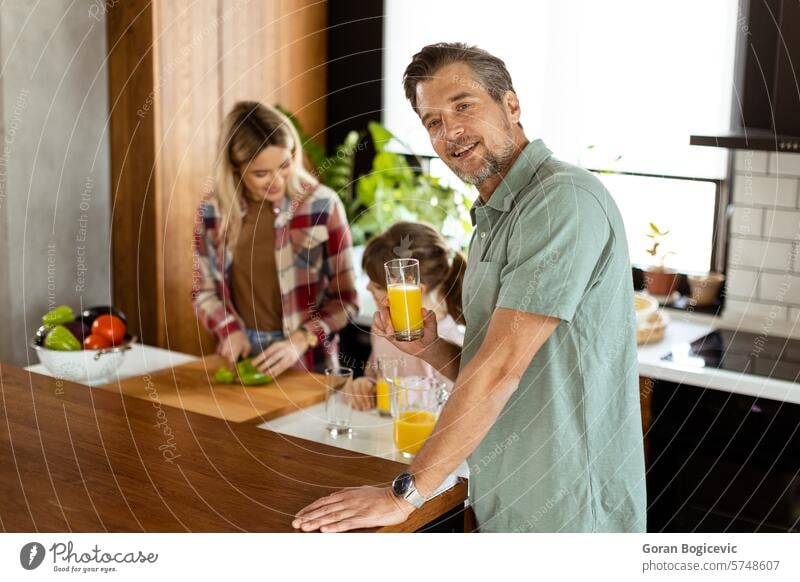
78, 459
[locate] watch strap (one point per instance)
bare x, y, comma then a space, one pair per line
414, 497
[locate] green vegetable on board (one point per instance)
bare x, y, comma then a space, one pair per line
250, 375
223, 376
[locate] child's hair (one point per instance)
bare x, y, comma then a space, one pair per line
422, 242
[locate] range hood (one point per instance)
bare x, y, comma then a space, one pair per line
766, 98
749, 139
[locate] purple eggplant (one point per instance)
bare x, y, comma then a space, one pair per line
79, 328
91, 313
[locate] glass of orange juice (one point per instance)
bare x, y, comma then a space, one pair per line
405, 298
416, 402
387, 368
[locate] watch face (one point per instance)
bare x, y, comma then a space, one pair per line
402, 484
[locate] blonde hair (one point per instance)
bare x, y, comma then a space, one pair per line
439, 268
248, 129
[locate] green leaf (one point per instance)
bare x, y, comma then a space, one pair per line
380, 135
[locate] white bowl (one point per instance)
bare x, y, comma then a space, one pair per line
84, 366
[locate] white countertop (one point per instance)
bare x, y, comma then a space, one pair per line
372, 434
139, 360
687, 327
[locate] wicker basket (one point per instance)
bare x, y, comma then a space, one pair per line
652, 329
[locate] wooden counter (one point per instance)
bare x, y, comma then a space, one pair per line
78, 459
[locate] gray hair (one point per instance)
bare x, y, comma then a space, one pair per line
489, 71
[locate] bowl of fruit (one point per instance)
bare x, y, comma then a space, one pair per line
88, 347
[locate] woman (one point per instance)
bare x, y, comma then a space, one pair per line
273, 269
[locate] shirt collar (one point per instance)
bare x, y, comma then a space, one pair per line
283, 214
520, 175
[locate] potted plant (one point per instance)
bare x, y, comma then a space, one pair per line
659, 279
393, 189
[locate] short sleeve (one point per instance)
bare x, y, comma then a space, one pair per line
555, 252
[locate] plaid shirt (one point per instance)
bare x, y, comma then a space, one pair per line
315, 270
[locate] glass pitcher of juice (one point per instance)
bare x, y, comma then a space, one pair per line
405, 298
416, 402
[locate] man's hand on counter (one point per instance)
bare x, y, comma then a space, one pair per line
353, 508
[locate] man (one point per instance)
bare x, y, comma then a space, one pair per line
545, 404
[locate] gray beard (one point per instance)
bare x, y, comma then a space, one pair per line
493, 164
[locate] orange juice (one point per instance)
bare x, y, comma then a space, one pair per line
405, 307
382, 395
411, 430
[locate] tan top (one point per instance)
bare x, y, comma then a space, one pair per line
254, 276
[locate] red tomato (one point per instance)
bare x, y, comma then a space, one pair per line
111, 327
96, 342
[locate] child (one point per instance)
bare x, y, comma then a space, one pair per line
441, 278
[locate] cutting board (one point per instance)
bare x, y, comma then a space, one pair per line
191, 387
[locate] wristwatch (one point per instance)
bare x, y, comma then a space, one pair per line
311, 337
403, 487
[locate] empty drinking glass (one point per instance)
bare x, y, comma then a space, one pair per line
338, 411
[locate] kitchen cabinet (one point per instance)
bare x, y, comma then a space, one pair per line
720, 461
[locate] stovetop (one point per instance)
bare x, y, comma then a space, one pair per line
738, 351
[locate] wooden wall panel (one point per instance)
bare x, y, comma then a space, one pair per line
189, 61
133, 217
249, 69
274, 52
302, 58
187, 124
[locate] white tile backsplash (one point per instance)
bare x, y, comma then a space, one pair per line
741, 283
760, 254
765, 191
764, 244
781, 224
751, 161
755, 308
776, 288
747, 221
783, 164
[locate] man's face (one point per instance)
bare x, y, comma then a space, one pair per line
471, 132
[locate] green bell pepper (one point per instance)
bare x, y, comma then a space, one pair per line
62, 339
223, 376
58, 316
250, 375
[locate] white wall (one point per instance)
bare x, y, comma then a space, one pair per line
55, 197
632, 79
764, 252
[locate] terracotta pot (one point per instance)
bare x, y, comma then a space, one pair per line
661, 282
705, 288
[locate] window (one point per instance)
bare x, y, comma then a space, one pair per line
684, 207
617, 86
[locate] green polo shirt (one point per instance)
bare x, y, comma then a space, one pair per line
566, 452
